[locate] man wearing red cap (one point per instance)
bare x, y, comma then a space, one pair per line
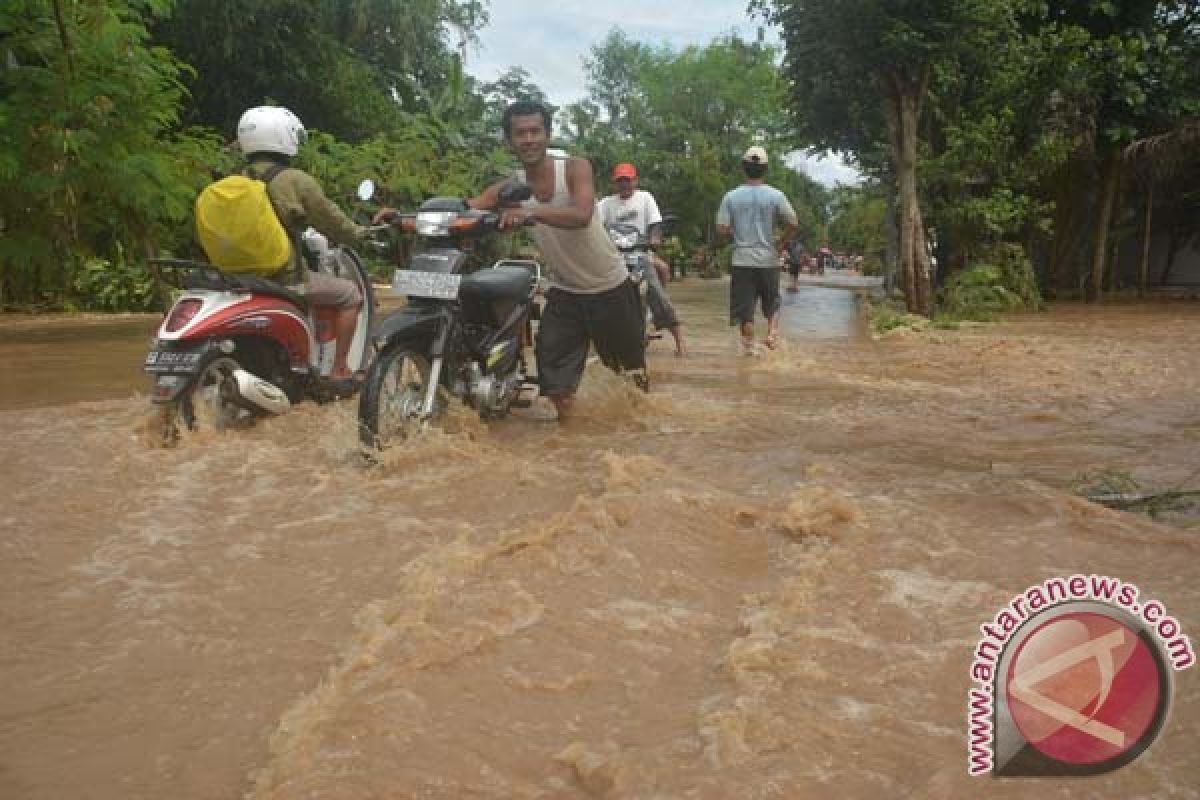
633, 206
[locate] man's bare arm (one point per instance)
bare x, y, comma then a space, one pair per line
489, 198
582, 191
785, 240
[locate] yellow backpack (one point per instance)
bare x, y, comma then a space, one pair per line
238, 227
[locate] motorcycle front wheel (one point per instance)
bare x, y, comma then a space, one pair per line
389, 410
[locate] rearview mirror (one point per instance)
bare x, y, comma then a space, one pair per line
514, 193
366, 190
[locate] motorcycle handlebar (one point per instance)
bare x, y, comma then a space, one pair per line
407, 222
525, 223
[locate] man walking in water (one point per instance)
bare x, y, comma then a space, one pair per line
750, 214
591, 300
637, 207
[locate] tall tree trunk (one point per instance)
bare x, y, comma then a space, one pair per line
892, 249
902, 109
1144, 267
1110, 175
60, 23
1072, 216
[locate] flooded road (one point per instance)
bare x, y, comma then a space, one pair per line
763, 580
821, 313
58, 359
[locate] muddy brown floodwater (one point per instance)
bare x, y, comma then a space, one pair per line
763, 580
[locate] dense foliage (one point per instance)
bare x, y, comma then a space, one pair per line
684, 118
998, 121
113, 114
92, 158
982, 125
859, 225
336, 63
1001, 279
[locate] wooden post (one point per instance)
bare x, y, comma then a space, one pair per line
1110, 178
1144, 269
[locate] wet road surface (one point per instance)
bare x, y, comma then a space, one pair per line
764, 579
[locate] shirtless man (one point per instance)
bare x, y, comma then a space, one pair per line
591, 300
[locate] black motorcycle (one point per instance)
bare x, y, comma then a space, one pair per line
463, 333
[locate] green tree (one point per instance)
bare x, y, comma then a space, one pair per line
614, 84
861, 71
685, 117
344, 66
991, 142
858, 224
514, 84
1018, 113
91, 160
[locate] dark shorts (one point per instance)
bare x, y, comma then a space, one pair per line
611, 321
748, 285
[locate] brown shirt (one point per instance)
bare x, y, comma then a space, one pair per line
300, 202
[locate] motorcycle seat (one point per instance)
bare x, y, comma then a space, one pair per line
268, 288
501, 283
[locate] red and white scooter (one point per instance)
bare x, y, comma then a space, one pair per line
234, 347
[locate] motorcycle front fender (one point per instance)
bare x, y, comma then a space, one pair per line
409, 323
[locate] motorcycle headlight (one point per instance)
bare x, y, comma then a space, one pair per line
434, 223
625, 241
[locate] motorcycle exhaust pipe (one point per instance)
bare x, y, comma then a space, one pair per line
260, 394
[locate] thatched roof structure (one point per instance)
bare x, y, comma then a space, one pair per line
1163, 156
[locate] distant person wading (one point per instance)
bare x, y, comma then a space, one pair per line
750, 214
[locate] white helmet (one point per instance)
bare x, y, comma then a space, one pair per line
270, 129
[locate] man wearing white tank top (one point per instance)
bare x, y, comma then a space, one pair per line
591, 301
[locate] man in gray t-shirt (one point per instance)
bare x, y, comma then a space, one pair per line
750, 214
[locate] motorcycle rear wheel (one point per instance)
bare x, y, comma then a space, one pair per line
389, 410
207, 404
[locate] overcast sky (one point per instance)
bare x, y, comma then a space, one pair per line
550, 41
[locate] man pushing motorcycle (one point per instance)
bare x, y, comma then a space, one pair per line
591, 300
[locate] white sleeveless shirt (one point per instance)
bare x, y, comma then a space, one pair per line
580, 260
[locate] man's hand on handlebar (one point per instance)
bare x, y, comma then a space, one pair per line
385, 216
515, 218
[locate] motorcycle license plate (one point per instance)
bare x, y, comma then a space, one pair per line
172, 361
438, 285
